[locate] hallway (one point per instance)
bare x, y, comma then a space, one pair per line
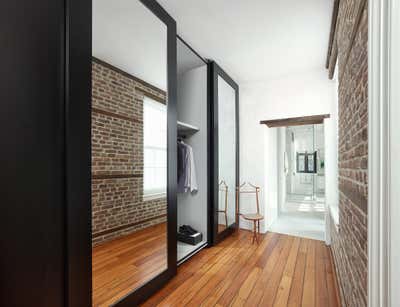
281, 271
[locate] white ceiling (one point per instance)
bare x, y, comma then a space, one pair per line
256, 40
129, 36
186, 58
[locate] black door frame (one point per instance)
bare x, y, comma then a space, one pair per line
215, 71
78, 246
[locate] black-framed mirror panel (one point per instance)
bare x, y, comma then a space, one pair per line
80, 66
225, 152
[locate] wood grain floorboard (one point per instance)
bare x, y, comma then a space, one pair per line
309, 277
121, 265
281, 271
296, 290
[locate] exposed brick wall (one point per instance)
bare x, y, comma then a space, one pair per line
117, 155
349, 242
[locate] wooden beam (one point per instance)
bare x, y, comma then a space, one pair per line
295, 121
332, 63
332, 34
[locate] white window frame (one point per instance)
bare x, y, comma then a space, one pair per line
153, 194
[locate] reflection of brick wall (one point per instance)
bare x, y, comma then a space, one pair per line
349, 243
117, 155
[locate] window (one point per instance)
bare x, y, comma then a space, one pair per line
306, 162
154, 149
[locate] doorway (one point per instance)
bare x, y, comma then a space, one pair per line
305, 163
301, 167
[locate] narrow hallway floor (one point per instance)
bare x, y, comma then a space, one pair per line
306, 225
281, 271
303, 219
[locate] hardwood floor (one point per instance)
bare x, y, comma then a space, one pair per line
221, 227
121, 265
281, 271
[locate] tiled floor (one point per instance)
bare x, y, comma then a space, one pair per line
303, 219
295, 224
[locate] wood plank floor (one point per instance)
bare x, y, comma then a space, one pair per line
281, 271
122, 265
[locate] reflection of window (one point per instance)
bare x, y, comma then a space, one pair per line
155, 148
306, 162
310, 163
301, 163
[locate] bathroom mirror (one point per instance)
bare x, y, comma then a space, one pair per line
226, 169
133, 170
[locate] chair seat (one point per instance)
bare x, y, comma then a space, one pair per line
253, 217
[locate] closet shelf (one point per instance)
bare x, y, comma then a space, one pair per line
185, 130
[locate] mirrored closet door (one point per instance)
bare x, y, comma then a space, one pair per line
225, 128
133, 150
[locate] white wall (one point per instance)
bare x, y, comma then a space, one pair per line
281, 152
331, 159
296, 95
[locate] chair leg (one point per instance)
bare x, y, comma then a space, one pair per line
255, 237
254, 229
226, 220
256, 232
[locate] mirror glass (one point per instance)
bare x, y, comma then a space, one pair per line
226, 154
310, 163
301, 162
129, 148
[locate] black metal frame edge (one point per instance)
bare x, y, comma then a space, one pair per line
78, 247
77, 225
216, 71
210, 113
191, 49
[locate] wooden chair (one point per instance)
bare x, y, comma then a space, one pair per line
223, 187
248, 188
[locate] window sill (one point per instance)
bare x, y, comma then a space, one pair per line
154, 196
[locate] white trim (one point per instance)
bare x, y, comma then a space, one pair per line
394, 151
378, 148
334, 214
154, 196
328, 235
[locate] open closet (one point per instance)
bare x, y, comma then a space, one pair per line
193, 151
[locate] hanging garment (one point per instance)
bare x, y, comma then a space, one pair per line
182, 163
191, 183
187, 181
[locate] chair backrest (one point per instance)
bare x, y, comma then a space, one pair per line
247, 188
